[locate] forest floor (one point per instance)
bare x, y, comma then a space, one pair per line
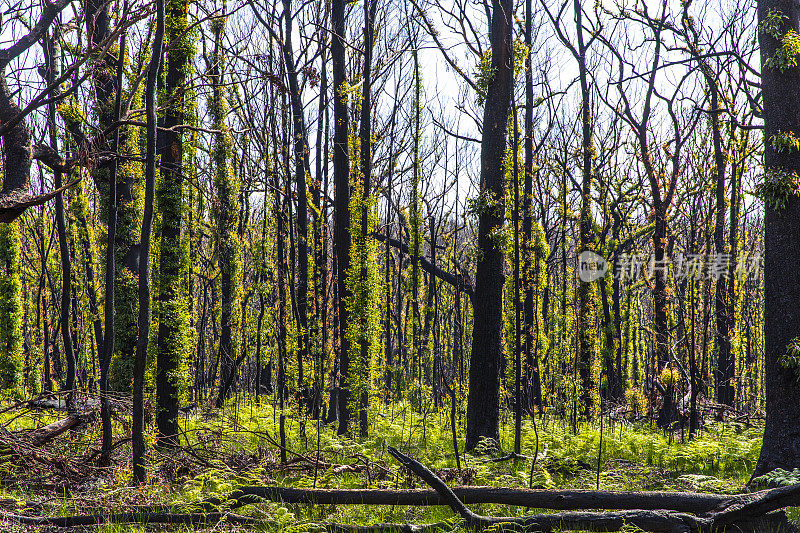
236, 446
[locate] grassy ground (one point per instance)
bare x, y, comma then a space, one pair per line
233, 447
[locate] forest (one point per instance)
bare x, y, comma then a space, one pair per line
371, 266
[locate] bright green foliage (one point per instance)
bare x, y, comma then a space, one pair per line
126, 284
226, 206
71, 112
786, 55
485, 202
634, 457
670, 377
637, 401
537, 278
82, 234
771, 25
484, 75
363, 304
590, 361
791, 359
521, 52
175, 335
10, 308
777, 187
785, 141
485, 72
788, 43
777, 478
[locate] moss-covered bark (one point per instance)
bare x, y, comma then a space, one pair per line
174, 335
126, 254
129, 214
226, 214
10, 308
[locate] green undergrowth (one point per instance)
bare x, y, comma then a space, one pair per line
237, 446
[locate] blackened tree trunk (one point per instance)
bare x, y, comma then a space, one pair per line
694, 374
733, 247
283, 322
586, 294
301, 171
533, 381
724, 370
617, 384
66, 264
416, 223
611, 370
365, 137
226, 214
341, 179
781, 93
140, 364
128, 175
483, 402
318, 328
173, 324
388, 259
517, 290
109, 338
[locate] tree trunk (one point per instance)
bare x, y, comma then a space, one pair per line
586, 294
66, 265
781, 92
283, 324
301, 171
173, 323
483, 402
531, 362
341, 178
227, 190
724, 370
109, 340
140, 364
365, 138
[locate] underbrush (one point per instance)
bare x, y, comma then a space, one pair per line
236, 446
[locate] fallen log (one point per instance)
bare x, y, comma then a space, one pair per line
386, 528
130, 518
201, 519
747, 513
755, 504
45, 434
659, 512
563, 500
23, 444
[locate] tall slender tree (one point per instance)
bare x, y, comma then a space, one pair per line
129, 208
226, 215
533, 377
364, 294
174, 336
586, 293
145, 315
301, 173
61, 226
341, 179
483, 402
780, 81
